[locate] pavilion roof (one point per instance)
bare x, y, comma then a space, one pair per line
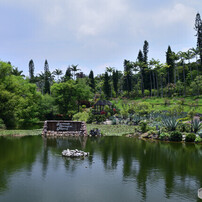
103, 103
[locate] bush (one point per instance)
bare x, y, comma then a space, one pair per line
176, 136
100, 118
143, 126
190, 137
184, 127
164, 136
175, 110
2, 125
198, 139
200, 133
143, 108
81, 116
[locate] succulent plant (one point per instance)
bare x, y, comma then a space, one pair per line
136, 119
196, 125
170, 122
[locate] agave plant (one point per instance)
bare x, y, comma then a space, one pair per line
170, 122
196, 125
136, 119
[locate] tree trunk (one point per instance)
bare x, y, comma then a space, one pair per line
184, 93
142, 83
157, 84
161, 87
153, 80
150, 84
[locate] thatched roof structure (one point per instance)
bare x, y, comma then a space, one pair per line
103, 103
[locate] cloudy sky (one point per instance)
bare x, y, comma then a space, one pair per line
93, 33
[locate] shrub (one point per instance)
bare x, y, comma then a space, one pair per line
198, 139
143, 126
184, 127
164, 136
152, 132
2, 125
143, 108
166, 102
146, 93
100, 118
200, 133
190, 137
175, 110
81, 116
176, 136
114, 121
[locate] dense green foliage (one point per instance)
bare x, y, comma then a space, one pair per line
52, 95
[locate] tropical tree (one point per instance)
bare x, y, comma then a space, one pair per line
170, 62
92, 81
195, 52
74, 69
188, 56
182, 56
17, 72
68, 74
145, 51
115, 78
106, 86
31, 71
46, 78
198, 28
127, 80
58, 73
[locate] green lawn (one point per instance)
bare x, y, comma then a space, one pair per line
108, 130
20, 132
112, 130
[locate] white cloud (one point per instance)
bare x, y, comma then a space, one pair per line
95, 31
179, 13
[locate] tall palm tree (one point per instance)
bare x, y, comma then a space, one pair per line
57, 73
195, 52
182, 56
141, 66
175, 58
74, 69
110, 70
188, 56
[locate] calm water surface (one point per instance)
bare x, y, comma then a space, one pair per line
118, 169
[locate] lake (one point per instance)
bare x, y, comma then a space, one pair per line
118, 169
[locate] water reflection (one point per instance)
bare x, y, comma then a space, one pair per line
149, 170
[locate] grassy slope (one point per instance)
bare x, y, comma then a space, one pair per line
159, 103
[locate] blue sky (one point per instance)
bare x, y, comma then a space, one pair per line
93, 33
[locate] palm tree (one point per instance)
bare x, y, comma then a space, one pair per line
110, 70
16, 72
188, 56
74, 69
141, 66
195, 52
175, 58
57, 73
182, 56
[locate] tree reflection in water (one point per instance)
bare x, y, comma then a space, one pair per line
175, 167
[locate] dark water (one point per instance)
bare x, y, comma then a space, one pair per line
119, 169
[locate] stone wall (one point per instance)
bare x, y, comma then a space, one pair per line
60, 128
